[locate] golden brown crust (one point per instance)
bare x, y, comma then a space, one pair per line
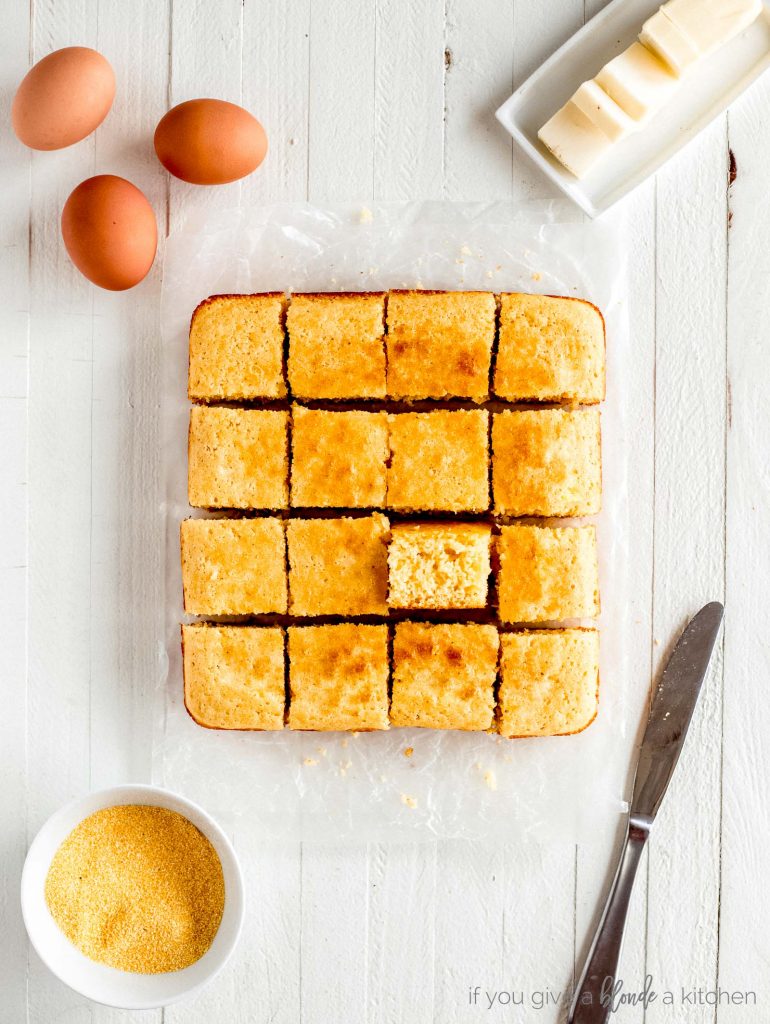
234, 677
547, 573
550, 348
338, 677
338, 566
444, 675
439, 461
236, 348
336, 345
237, 458
549, 682
339, 459
233, 566
439, 344
547, 462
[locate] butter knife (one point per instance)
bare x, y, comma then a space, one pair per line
670, 715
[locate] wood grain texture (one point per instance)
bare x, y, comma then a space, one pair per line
380, 100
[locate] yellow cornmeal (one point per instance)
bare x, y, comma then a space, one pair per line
138, 888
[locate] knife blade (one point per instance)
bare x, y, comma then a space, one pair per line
672, 710
670, 715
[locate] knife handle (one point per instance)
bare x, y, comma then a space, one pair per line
593, 1000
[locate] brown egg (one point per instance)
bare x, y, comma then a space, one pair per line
210, 142
63, 98
110, 232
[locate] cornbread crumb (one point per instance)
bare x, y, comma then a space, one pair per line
439, 461
310, 762
546, 462
137, 888
238, 458
490, 779
439, 565
444, 675
550, 348
336, 347
549, 682
236, 348
439, 344
409, 751
338, 458
547, 573
410, 801
233, 566
234, 676
338, 677
338, 566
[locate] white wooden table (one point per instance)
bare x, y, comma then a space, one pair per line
390, 99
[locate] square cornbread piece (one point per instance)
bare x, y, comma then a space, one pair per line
339, 459
439, 344
234, 676
233, 566
549, 682
444, 675
238, 458
439, 461
547, 573
338, 566
438, 565
550, 349
236, 348
547, 462
338, 677
336, 347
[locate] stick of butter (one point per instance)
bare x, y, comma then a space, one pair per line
603, 111
668, 42
574, 139
710, 24
638, 81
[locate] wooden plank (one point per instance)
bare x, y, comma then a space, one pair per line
14, 364
744, 902
206, 54
341, 105
690, 393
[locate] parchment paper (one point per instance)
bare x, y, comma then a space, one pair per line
333, 786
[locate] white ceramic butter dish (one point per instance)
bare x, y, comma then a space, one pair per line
705, 92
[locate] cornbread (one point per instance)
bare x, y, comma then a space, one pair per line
233, 566
439, 461
238, 458
549, 349
546, 462
438, 565
336, 347
338, 458
549, 682
338, 566
444, 675
137, 888
547, 573
234, 676
236, 348
338, 677
439, 344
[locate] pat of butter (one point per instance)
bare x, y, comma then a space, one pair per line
711, 23
670, 43
603, 111
574, 139
638, 81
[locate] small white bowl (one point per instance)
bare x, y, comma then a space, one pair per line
96, 981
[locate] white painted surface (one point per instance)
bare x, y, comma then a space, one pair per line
393, 99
